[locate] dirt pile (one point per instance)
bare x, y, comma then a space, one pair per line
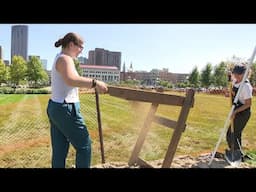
184, 161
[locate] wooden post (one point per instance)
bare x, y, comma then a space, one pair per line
179, 129
99, 126
143, 134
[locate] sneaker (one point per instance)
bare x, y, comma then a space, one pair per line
238, 155
228, 156
234, 159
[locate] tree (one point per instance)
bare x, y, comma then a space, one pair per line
35, 71
163, 83
78, 68
206, 78
230, 63
220, 75
194, 78
18, 69
237, 60
3, 72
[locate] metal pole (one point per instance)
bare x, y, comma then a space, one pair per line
231, 120
233, 106
99, 126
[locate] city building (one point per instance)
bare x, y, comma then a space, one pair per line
30, 56
155, 75
104, 57
103, 73
130, 69
82, 60
19, 41
6, 62
49, 73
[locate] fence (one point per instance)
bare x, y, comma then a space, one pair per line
25, 131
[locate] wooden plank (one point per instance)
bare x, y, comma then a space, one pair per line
146, 96
143, 163
143, 134
165, 122
189, 100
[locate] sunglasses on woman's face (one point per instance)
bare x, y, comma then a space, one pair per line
80, 46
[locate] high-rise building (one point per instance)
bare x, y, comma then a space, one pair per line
2, 56
19, 41
91, 57
104, 57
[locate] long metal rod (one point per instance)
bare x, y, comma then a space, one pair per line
233, 106
231, 121
99, 127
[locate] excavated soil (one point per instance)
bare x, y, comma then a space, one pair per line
184, 161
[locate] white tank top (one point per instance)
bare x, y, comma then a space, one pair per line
60, 90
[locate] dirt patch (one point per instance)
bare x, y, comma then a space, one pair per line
184, 161
22, 145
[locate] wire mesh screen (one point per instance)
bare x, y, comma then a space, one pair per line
25, 130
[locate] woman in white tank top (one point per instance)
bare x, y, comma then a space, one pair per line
66, 121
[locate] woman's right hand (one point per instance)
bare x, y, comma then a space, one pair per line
101, 86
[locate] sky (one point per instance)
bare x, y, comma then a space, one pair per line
178, 47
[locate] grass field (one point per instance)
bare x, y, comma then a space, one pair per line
24, 129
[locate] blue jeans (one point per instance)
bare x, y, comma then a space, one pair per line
68, 126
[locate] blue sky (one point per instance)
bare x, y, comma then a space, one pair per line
178, 47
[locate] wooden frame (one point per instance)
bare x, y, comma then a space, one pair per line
157, 98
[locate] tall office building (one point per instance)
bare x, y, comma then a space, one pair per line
19, 41
104, 57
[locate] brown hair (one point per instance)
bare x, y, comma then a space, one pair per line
69, 37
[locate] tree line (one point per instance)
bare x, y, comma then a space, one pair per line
216, 76
22, 72
32, 73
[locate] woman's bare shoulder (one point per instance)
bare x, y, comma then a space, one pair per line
65, 59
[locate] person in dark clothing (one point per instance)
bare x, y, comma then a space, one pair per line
240, 115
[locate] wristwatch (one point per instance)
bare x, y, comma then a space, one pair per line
94, 83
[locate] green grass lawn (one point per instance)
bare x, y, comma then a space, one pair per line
24, 129
14, 98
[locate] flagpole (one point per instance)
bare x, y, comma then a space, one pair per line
231, 120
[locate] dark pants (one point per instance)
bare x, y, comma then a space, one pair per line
239, 124
68, 126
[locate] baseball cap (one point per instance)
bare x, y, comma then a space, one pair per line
239, 69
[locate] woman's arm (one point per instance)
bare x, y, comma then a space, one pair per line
65, 66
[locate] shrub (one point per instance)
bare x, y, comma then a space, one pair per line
9, 90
